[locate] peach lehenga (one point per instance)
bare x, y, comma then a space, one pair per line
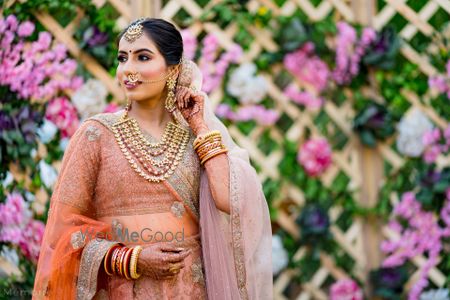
98, 192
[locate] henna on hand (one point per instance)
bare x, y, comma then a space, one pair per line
157, 260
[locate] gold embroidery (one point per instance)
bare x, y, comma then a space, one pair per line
197, 272
152, 208
92, 133
186, 180
77, 240
178, 209
91, 260
236, 233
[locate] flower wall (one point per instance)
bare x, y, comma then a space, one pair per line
346, 122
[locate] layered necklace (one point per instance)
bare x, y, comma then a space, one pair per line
153, 161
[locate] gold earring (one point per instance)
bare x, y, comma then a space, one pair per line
128, 107
170, 100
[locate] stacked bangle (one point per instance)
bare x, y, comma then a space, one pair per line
209, 145
133, 264
121, 260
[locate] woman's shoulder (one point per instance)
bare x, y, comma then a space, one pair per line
92, 128
106, 119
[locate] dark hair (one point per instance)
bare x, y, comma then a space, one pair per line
165, 35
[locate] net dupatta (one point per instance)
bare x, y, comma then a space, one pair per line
237, 248
71, 251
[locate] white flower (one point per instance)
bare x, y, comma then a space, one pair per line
279, 255
440, 294
247, 87
47, 131
33, 153
48, 174
10, 254
90, 99
8, 179
30, 196
411, 128
63, 144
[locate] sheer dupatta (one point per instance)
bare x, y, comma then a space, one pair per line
72, 232
237, 248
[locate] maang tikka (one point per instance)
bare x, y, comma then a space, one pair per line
134, 32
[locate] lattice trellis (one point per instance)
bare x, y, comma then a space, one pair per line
354, 241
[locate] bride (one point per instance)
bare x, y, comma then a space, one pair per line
156, 201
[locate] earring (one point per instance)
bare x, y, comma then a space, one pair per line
128, 107
170, 100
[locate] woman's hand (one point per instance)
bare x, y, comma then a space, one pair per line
191, 104
157, 260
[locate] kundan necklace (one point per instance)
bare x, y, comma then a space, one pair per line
153, 161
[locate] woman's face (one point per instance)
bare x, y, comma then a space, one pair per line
141, 56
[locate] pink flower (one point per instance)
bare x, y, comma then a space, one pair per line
346, 289
315, 156
30, 243
12, 23
422, 236
303, 98
64, 115
36, 71
349, 51
307, 67
12, 211
25, 29
262, 115
189, 43
224, 111
213, 71
431, 137
438, 82
432, 153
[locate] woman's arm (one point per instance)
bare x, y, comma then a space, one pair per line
218, 172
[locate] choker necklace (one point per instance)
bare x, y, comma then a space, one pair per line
153, 161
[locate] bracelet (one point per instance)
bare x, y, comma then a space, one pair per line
113, 260
126, 265
208, 147
133, 264
107, 260
205, 136
118, 262
121, 260
211, 155
212, 151
214, 138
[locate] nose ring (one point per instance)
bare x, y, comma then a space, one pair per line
133, 78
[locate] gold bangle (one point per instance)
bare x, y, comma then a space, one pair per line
205, 136
126, 264
107, 260
208, 134
199, 144
208, 147
213, 154
133, 264
211, 150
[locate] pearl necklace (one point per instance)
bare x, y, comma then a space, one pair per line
153, 161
